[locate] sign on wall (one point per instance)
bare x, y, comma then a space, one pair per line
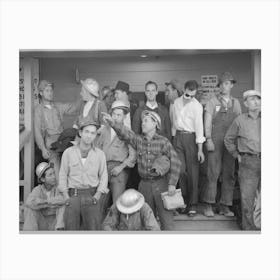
35, 82
208, 87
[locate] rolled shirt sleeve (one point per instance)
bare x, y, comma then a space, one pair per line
131, 159
103, 175
198, 125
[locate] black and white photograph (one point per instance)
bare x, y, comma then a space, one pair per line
139, 139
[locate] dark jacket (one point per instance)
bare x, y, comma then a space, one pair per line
164, 116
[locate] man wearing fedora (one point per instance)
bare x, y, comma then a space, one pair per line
44, 205
188, 142
92, 107
121, 94
220, 111
243, 141
151, 92
83, 178
119, 155
48, 121
130, 212
150, 146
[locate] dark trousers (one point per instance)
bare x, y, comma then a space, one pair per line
186, 149
221, 162
250, 181
81, 213
151, 189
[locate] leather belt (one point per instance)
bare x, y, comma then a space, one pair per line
258, 155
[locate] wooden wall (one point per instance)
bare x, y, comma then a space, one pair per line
137, 71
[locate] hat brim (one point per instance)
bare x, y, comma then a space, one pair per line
49, 165
126, 109
89, 90
130, 210
91, 123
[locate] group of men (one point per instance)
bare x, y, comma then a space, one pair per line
92, 184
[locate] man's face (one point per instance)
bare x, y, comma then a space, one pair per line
120, 95
171, 94
253, 103
86, 95
189, 94
109, 99
118, 115
47, 93
151, 92
49, 180
88, 134
226, 86
148, 124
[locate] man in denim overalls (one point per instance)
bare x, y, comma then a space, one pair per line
220, 111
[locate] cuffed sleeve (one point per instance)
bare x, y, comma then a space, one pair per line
103, 175
63, 173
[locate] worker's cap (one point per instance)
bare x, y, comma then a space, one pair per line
122, 86
91, 86
226, 76
191, 85
251, 92
42, 168
175, 84
83, 122
154, 116
130, 201
43, 84
119, 104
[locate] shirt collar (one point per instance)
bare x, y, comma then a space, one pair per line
76, 143
156, 136
250, 115
148, 104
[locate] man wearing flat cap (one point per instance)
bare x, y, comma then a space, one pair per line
48, 121
83, 178
220, 111
120, 156
149, 146
151, 92
92, 107
243, 141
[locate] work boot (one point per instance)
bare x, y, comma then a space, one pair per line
192, 211
208, 211
224, 210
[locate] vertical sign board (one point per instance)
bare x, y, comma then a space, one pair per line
208, 87
35, 83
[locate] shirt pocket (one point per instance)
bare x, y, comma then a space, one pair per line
74, 168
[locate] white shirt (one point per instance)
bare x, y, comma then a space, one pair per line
127, 121
171, 115
113, 134
188, 117
152, 106
87, 107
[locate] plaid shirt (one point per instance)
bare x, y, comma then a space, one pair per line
148, 151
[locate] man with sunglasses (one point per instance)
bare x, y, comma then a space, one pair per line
188, 143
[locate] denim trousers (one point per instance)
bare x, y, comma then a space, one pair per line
81, 213
220, 162
250, 180
151, 190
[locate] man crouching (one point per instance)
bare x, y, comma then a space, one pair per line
44, 205
130, 212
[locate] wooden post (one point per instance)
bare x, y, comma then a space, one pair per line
256, 69
28, 122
